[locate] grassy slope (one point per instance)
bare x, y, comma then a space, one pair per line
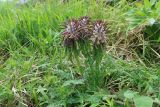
34, 69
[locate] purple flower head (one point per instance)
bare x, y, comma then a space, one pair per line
99, 32
85, 27
71, 34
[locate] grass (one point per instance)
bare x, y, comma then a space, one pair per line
35, 70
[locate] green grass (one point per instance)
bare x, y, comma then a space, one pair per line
35, 70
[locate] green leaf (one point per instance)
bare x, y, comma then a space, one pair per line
158, 39
153, 1
143, 101
73, 82
94, 105
94, 99
130, 94
41, 89
147, 4
157, 5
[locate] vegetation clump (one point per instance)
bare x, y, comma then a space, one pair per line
87, 38
110, 55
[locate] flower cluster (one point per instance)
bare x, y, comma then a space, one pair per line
71, 33
84, 29
99, 33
